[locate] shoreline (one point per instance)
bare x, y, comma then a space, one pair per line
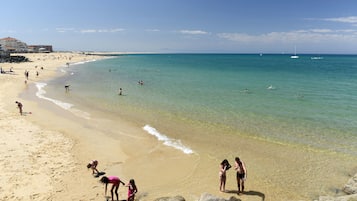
186, 175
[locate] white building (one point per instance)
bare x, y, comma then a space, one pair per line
13, 45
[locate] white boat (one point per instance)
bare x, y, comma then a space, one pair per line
294, 56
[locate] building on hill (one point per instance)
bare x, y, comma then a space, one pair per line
13, 45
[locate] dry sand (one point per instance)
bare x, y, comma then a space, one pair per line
35, 160
45, 151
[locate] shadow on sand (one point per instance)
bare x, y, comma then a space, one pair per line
251, 193
99, 174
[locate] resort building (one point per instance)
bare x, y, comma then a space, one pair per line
12, 45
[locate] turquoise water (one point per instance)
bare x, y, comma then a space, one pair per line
305, 101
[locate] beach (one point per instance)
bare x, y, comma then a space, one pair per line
46, 150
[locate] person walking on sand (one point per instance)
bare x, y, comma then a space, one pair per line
93, 165
132, 190
19, 105
113, 180
241, 173
224, 166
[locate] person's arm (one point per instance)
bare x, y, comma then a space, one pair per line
106, 185
236, 165
245, 171
122, 182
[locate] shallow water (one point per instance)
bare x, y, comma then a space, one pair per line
292, 121
304, 101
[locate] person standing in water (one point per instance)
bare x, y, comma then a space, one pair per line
120, 91
241, 173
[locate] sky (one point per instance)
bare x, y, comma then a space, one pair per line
184, 26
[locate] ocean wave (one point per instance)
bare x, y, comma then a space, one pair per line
168, 141
67, 106
81, 62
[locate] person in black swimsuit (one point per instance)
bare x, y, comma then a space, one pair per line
241, 173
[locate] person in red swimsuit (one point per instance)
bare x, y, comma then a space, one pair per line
113, 180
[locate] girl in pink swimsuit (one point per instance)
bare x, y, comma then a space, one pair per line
93, 165
132, 189
113, 180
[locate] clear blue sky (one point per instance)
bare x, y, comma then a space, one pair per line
223, 26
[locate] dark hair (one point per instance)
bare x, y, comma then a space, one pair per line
89, 165
226, 163
104, 180
132, 182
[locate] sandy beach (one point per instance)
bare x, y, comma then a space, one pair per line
45, 152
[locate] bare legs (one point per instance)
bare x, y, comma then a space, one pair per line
239, 182
115, 189
222, 186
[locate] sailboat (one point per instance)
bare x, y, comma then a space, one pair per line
294, 56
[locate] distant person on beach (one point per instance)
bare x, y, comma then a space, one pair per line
120, 91
93, 165
224, 166
132, 190
241, 173
27, 74
19, 105
67, 87
113, 180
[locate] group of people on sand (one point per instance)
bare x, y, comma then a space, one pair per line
241, 174
115, 181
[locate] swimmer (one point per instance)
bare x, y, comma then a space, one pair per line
67, 87
271, 87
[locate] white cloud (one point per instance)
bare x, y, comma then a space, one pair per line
101, 30
350, 19
88, 31
63, 30
193, 32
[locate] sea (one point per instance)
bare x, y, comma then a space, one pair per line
310, 101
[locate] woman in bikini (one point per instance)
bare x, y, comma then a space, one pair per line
224, 166
241, 173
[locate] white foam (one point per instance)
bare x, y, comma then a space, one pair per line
41, 92
168, 141
67, 106
82, 62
